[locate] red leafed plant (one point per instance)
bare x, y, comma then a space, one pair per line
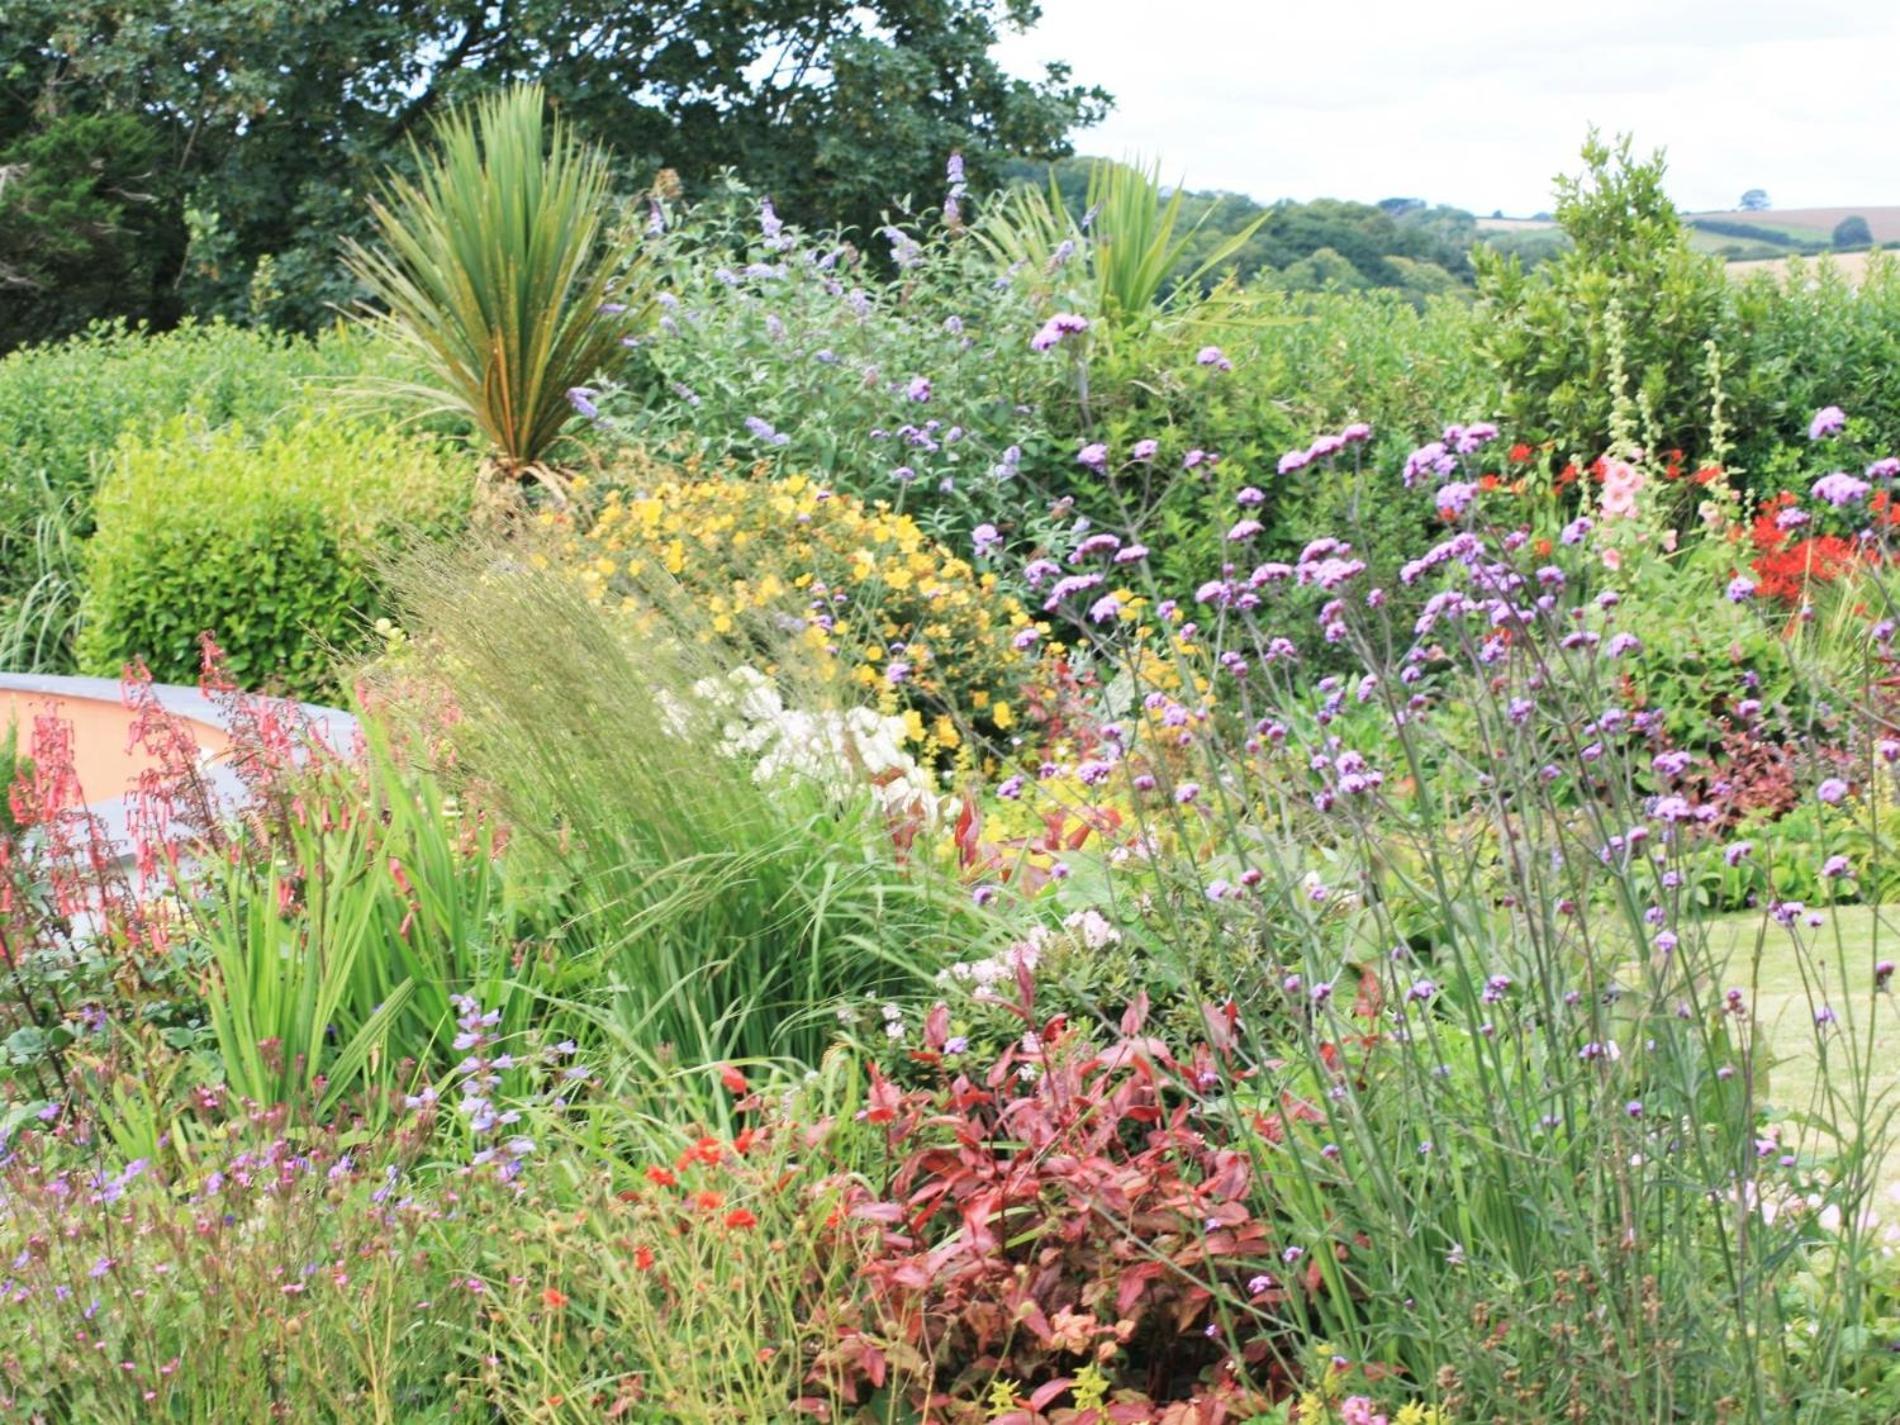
1047, 1245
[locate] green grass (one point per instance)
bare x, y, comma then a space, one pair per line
1788, 989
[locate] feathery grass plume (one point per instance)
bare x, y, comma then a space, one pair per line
730, 908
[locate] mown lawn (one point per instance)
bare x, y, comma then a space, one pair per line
1788, 989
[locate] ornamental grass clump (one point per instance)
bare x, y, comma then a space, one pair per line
722, 910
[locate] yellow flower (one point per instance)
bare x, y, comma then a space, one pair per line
1091, 1388
1002, 1398
1001, 715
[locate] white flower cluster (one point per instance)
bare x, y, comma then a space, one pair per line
1085, 928
841, 752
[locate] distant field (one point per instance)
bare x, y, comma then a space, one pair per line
1812, 222
1515, 225
1734, 249
1852, 264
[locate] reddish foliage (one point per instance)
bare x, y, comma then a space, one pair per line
1072, 1207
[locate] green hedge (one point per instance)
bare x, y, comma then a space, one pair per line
63, 406
270, 543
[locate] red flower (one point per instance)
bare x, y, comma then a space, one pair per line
1520, 453
660, 1177
553, 1298
739, 1219
643, 1258
707, 1200
707, 1150
743, 1143
733, 1079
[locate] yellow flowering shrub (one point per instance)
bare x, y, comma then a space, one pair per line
860, 592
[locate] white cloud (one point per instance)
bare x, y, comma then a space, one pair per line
1479, 102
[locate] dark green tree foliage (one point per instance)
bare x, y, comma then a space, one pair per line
266, 121
1549, 332
1852, 231
82, 225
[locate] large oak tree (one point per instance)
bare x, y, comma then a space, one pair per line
261, 123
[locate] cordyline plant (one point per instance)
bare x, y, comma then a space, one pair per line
495, 271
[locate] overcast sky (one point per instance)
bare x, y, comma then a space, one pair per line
1477, 103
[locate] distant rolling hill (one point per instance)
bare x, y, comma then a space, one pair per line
1811, 224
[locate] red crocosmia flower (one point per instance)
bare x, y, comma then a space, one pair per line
743, 1143
660, 1177
1707, 475
707, 1150
740, 1218
733, 1079
1568, 475
1520, 453
643, 1258
553, 1298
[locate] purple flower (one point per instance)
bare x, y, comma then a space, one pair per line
1836, 867
1885, 468
1094, 456
762, 428
1839, 489
582, 400
1455, 497
1187, 792
1829, 420
1740, 589
1244, 530
1431, 459
1295, 460
986, 539
1145, 450
1105, 609
1052, 331
919, 389
1832, 791
1213, 356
